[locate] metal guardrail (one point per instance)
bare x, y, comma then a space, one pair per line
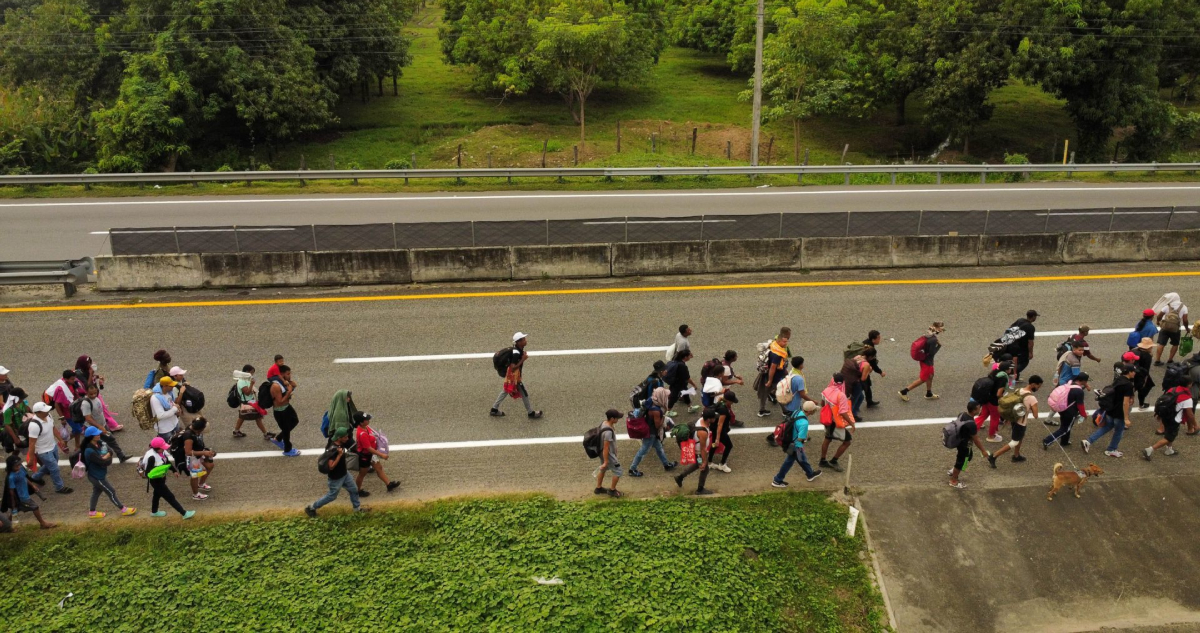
70, 273
606, 230
594, 172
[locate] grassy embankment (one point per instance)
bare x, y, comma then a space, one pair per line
770, 562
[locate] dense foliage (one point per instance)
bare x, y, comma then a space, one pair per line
136, 84
767, 563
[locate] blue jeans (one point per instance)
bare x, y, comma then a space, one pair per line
1115, 425
857, 397
647, 442
48, 464
335, 486
791, 460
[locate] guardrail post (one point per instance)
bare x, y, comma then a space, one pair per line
626, 228
1046, 224
395, 238
175, 232
196, 184
939, 177
472, 232
237, 246
847, 178
987, 216
314, 236
1170, 217
701, 228
847, 224
547, 231
920, 214
983, 177
893, 178
1112, 218
781, 225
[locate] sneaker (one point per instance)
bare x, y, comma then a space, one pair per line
779, 484
160, 513
670, 414
723, 468
932, 396
1147, 453
496, 413
189, 514
204, 487
1114, 453
991, 460
312, 514
533, 415
1017, 459
392, 486
694, 408
737, 424
833, 466
678, 481
128, 511
1159, 363
1087, 446
65, 490
1045, 447
704, 492
291, 453
995, 439
95, 515
816, 473
363, 494
872, 405
1143, 406
199, 496
771, 441
1170, 451
762, 413
671, 466
903, 396
633, 472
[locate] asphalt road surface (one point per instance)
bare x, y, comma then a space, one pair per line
435, 410
69, 228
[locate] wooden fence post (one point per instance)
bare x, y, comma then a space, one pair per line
618, 137
544, 144
694, 131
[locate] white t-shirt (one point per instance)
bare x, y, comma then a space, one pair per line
1180, 407
1182, 312
44, 437
166, 414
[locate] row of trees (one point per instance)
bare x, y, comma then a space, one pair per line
133, 85
1110, 60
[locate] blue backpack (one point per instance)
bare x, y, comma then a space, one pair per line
325, 425
149, 379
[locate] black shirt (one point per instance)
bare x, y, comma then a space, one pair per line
932, 345
874, 361
678, 375
1020, 347
339, 469
1122, 388
967, 430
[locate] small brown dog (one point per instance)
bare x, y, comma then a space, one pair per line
1072, 478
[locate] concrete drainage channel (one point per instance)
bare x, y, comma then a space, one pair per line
330, 268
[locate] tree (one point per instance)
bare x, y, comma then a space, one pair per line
148, 123
583, 42
495, 38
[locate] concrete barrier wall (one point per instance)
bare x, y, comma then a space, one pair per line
151, 272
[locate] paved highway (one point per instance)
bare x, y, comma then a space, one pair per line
54, 228
435, 409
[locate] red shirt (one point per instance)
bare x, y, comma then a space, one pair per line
365, 439
273, 371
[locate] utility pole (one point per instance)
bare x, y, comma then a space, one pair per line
758, 63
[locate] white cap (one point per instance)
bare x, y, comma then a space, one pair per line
41, 407
177, 371
810, 406
518, 336
3, 370
242, 375
713, 385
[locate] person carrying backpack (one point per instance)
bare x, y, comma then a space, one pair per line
15, 409
923, 350
512, 361
333, 463
856, 371
370, 455
1022, 349
794, 437
1068, 402
720, 428
17, 487
987, 391
654, 408
608, 455
164, 405
1173, 409
1143, 382
1116, 412
245, 402
190, 453
773, 369
872, 342
96, 459
89, 411
700, 442
966, 434
282, 388
1172, 320
799, 390
154, 466
1144, 329
1029, 401
678, 378
838, 420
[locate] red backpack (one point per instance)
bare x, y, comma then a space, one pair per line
917, 351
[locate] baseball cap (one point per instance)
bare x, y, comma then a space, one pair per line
1032, 313
91, 431
1148, 312
158, 443
730, 396
167, 382
360, 417
810, 406
3, 370
41, 407
518, 336
340, 433
1129, 357
177, 371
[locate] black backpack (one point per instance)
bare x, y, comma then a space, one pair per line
983, 390
712, 368
175, 446
1064, 347
1174, 375
1106, 399
193, 399
592, 444
234, 397
1164, 406
323, 461
636, 395
502, 359
265, 399
77, 411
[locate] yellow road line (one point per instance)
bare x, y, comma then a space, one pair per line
589, 291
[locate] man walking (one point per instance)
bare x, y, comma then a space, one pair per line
1116, 412
45, 445
513, 385
1022, 348
923, 350
773, 370
1172, 315
1180, 412
838, 420
1068, 402
679, 379
872, 341
799, 391
795, 436
1030, 403
334, 459
987, 391
681, 344
702, 440
608, 455
856, 371
282, 390
968, 435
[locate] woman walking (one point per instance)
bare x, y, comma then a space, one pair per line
371, 454
156, 463
96, 459
86, 370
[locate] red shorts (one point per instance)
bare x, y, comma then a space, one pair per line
926, 372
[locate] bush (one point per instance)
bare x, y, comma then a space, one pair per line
265, 167
1014, 159
90, 170
353, 165
398, 163
225, 167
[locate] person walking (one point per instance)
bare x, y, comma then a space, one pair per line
654, 408
773, 369
795, 436
1171, 316
923, 351
17, 488
6, 384
1068, 402
197, 458
1181, 412
1030, 404
45, 444
334, 460
61, 395
1116, 413
856, 371
91, 407
722, 444
156, 463
838, 420
968, 435
1022, 348
163, 370
987, 391
15, 409
728, 376
799, 391
1070, 364
1143, 382
371, 454
608, 455
282, 390
701, 439
681, 344
872, 341
514, 386
87, 370
679, 378
1081, 337
164, 405
96, 459
1143, 329
248, 409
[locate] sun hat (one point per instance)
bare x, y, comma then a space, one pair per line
1146, 343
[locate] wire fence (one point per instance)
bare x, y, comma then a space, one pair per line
345, 237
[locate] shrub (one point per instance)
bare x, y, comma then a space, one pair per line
398, 163
1014, 159
225, 167
264, 167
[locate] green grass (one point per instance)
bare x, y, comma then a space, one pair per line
773, 562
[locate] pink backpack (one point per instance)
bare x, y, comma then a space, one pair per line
1058, 397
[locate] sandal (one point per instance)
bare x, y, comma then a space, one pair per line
615, 494
958, 486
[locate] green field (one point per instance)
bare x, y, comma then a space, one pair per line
772, 562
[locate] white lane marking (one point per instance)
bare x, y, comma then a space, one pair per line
240, 229
657, 194
572, 439
1118, 330
549, 352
